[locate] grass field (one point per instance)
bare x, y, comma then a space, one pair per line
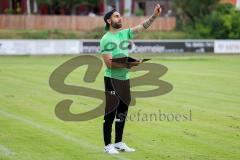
208, 85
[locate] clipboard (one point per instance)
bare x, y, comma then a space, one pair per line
127, 60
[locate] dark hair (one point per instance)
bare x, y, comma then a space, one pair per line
108, 16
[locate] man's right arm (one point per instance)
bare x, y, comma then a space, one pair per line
147, 23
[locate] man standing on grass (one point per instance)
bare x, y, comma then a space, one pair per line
116, 77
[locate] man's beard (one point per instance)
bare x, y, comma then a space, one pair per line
116, 25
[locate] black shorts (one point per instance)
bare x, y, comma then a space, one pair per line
118, 88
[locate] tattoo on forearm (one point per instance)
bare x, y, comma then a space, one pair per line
145, 24
149, 21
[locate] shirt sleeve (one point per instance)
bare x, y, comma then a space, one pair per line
104, 47
128, 33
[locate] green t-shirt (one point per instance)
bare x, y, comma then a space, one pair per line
116, 44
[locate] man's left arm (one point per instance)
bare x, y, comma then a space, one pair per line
147, 23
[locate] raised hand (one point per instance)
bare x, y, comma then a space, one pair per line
157, 10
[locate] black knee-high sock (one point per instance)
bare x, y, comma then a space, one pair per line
107, 127
120, 121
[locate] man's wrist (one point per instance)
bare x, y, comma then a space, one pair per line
154, 16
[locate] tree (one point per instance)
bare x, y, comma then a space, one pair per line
221, 23
189, 11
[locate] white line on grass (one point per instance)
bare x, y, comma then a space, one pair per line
57, 133
6, 151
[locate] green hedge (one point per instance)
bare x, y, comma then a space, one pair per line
222, 23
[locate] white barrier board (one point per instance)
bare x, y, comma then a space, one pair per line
42, 47
55, 47
227, 46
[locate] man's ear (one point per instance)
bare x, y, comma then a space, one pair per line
109, 21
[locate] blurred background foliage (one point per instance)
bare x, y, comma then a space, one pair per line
207, 19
